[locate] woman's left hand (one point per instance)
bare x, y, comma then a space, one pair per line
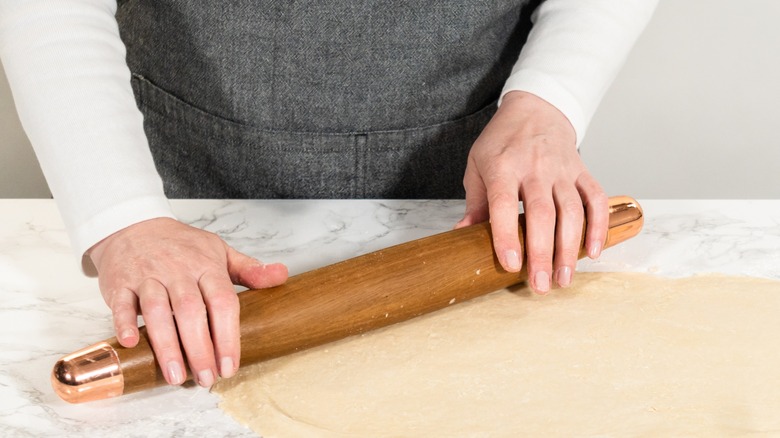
527, 153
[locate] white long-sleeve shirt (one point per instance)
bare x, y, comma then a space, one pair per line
66, 66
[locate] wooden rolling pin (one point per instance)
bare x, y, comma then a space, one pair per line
331, 303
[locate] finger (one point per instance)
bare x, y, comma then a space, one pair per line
156, 310
223, 310
476, 198
540, 233
192, 322
597, 214
570, 215
251, 273
503, 204
124, 308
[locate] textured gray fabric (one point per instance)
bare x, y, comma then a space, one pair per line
308, 99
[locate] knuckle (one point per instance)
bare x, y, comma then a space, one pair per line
198, 353
166, 350
122, 308
499, 166
164, 340
156, 313
190, 304
501, 200
568, 254
224, 302
542, 209
111, 296
155, 305
149, 286
572, 209
498, 172
540, 259
200, 359
599, 201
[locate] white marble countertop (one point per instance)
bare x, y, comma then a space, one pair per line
48, 308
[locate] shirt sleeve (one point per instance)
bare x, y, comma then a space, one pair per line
65, 63
575, 50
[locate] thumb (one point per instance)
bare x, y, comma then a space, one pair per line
252, 273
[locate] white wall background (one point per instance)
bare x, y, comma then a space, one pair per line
695, 113
20, 175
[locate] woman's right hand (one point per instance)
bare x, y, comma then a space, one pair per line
180, 279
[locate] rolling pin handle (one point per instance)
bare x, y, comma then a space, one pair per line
92, 373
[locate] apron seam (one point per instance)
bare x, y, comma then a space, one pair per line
232, 124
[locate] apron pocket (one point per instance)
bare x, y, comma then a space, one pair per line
200, 155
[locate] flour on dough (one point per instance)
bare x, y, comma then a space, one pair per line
614, 355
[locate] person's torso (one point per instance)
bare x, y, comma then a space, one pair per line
301, 74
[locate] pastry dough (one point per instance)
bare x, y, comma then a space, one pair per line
616, 354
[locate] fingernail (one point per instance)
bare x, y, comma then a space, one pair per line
512, 260
542, 281
595, 250
205, 378
564, 276
175, 375
226, 367
127, 334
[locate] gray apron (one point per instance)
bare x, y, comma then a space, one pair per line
318, 99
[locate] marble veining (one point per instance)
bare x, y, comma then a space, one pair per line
49, 308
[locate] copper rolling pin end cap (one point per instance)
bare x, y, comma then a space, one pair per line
92, 373
626, 219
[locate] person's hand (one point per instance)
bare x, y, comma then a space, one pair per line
181, 280
527, 152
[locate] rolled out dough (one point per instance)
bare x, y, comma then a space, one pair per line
615, 355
